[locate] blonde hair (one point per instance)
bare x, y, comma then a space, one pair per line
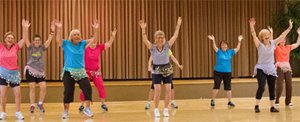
9, 33
262, 33
72, 33
159, 33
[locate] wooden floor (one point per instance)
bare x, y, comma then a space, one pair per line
195, 110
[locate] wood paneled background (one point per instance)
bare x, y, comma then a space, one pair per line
128, 56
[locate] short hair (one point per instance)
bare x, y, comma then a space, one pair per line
9, 33
72, 33
223, 41
262, 33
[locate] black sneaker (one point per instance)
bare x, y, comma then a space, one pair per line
256, 109
212, 103
273, 109
104, 107
81, 108
230, 104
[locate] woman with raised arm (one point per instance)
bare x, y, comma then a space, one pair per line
161, 64
92, 66
151, 92
73, 71
34, 70
284, 70
222, 69
265, 69
9, 69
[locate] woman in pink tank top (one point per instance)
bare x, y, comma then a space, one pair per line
92, 66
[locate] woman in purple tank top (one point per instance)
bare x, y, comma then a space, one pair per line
265, 69
162, 71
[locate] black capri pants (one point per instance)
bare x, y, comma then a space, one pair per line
69, 87
225, 76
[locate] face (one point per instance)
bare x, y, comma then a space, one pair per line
282, 43
9, 40
266, 36
37, 41
159, 40
224, 47
76, 37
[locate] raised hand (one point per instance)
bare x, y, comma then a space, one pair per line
270, 29
211, 37
95, 24
290, 24
180, 67
143, 24
179, 20
252, 21
25, 23
52, 26
240, 38
58, 23
114, 32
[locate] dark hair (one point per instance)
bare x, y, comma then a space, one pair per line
36, 36
223, 41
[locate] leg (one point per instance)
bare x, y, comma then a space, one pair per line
227, 85
98, 82
157, 89
32, 92
217, 84
261, 80
17, 93
3, 91
167, 95
69, 86
271, 84
85, 86
279, 84
172, 92
288, 87
43, 89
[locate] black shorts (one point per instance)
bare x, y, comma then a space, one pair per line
225, 76
152, 86
3, 82
157, 78
31, 78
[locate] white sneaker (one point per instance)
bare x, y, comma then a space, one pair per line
88, 112
19, 116
156, 112
65, 115
290, 105
2, 115
166, 112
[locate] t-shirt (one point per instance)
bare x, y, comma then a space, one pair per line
73, 54
223, 60
162, 57
9, 57
282, 53
92, 57
35, 57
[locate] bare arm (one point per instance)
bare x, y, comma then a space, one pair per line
144, 36
294, 46
253, 33
150, 64
176, 61
271, 32
50, 37
284, 33
240, 38
212, 38
175, 35
95, 26
111, 40
25, 38
58, 37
